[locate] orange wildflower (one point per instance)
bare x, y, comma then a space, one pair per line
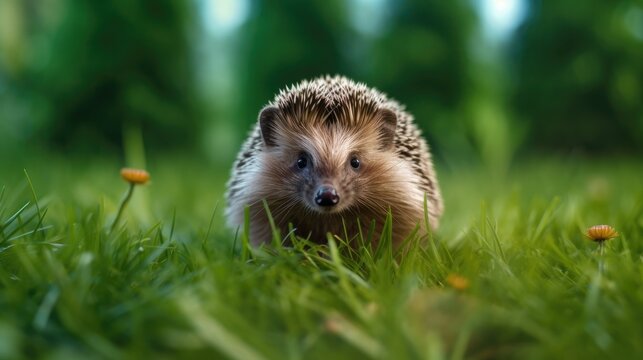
600, 233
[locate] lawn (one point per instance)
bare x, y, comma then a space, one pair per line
508, 274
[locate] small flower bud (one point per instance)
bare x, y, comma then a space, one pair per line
458, 282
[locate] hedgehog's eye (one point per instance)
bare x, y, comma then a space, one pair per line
355, 163
302, 161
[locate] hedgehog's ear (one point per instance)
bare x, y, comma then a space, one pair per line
267, 118
387, 129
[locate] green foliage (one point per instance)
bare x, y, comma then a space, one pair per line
89, 68
422, 58
74, 74
578, 71
184, 287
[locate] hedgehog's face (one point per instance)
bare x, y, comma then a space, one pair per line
324, 167
325, 178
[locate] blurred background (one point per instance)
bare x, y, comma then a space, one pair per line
490, 82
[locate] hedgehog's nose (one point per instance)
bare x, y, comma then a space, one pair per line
326, 196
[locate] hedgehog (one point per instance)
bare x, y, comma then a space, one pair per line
333, 156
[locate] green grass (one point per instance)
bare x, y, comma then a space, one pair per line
172, 282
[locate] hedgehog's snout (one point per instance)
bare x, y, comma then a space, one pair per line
326, 196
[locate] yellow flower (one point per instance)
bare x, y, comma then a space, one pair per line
135, 176
600, 233
458, 282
